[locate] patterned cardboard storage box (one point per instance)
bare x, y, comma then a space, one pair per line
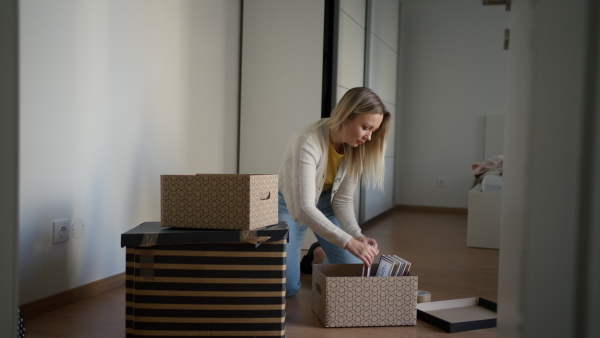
342, 298
219, 201
196, 282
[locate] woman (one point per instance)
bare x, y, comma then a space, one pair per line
321, 167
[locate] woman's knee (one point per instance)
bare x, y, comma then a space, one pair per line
291, 289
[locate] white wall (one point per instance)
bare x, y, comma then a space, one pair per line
9, 174
282, 70
453, 68
114, 94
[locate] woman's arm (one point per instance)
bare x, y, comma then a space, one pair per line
343, 206
304, 191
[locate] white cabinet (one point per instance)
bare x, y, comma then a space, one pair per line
483, 223
381, 76
281, 76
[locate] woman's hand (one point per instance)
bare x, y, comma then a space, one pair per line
363, 248
369, 241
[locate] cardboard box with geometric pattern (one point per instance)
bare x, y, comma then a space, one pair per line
343, 298
219, 201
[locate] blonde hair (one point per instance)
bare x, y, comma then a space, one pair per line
368, 158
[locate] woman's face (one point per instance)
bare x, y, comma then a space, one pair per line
359, 129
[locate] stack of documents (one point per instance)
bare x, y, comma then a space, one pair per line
392, 265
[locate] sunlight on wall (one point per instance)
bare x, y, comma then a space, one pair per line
114, 94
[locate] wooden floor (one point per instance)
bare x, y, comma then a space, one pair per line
434, 242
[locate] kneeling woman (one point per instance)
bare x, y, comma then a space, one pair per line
322, 165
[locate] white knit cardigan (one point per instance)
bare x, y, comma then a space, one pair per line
301, 178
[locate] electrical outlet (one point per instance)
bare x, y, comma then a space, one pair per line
61, 231
441, 182
77, 228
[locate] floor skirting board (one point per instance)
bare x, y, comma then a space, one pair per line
50, 303
462, 211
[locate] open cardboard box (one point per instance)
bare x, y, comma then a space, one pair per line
459, 315
343, 298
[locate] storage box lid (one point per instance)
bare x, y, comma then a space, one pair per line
152, 233
458, 315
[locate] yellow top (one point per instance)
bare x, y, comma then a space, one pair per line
333, 162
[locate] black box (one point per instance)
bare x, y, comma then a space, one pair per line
197, 282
